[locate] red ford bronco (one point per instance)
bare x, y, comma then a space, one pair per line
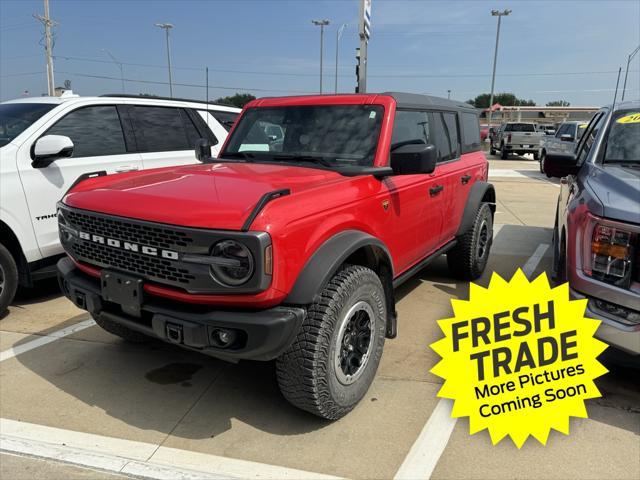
289, 245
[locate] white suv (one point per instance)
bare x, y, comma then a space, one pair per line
48, 143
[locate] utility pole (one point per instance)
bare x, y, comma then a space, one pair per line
498, 14
166, 27
338, 37
365, 33
449, 94
48, 23
321, 24
118, 64
626, 73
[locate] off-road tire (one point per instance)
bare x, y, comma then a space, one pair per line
306, 372
8, 278
121, 331
503, 153
543, 155
467, 260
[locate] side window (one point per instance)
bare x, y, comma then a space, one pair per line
441, 138
410, 127
471, 132
226, 119
451, 127
590, 137
164, 128
94, 131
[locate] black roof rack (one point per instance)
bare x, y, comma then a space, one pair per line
158, 97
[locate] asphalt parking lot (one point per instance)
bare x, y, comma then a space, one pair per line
73, 393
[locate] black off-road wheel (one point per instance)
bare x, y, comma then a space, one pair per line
543, 156
468, 259
121, 331
8, 278
334, 358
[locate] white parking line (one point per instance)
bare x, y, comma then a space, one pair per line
426, 450
534, 260
434, 437
48, 338
139, 459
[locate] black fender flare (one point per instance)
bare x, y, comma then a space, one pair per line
326, 260
479, 190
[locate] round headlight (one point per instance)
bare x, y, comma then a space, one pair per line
235, 263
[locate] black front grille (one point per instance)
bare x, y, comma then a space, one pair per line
133, 262
154, 251
154, 236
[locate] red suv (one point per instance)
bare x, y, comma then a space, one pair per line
289, 245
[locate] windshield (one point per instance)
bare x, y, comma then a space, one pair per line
623, 144
16, 117
328, 135
520, 127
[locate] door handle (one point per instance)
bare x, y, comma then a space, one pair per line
465, 179
433, 191
126, 168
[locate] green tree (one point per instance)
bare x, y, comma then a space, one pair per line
505, 99
558, 103
238, 100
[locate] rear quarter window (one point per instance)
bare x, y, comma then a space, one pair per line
470, 133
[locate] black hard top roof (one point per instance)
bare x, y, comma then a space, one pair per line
414, 100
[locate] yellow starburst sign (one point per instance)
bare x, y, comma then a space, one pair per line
519, 358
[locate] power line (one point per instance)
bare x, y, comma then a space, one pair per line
395, 75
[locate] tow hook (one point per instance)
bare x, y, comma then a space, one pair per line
174, 333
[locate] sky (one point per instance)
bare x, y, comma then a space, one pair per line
549, 49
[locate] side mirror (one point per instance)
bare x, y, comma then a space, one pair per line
412, 159
203, 150
566, 138
50, 147
561, 164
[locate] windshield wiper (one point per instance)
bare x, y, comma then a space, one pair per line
303, 158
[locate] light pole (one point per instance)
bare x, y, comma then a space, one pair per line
166, 27
321, 24
449, 94
631, 55
498, 14
338, 36
118, 64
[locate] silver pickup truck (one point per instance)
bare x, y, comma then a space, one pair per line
564, 141
518, 138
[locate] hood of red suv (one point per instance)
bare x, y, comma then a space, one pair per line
214, 195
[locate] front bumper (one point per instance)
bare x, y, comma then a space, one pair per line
611, 330
260, 335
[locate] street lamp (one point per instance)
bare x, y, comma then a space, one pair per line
166, 27
449, 94
118, 64
338, 37
321, 24
631, 55
498, 14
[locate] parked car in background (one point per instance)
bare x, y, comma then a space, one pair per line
565, 140
547, 129
596, 238
516, 137
287, 249
48, 143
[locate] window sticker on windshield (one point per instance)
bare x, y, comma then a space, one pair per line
584, 125
631, 118
372, 115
